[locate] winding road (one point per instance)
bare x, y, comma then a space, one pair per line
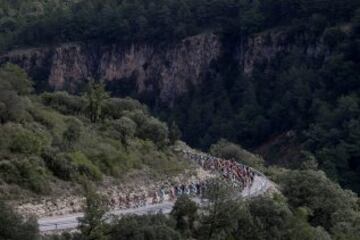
259, 186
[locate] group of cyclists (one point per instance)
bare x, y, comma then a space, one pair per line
165, 193
238, 175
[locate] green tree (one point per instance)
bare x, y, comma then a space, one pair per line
329, 205
263, 218
26, 142
219, 214
93, 225
185, 214
154, 130
14, 227
73, 133
308, 161
149, 227
14, 85
227, 150
96, 96
125, 129
12, 77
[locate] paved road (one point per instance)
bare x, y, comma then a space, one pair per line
259, 186
69, 222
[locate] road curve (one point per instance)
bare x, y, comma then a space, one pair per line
69, 222
48, 225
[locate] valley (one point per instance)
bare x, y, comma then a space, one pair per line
179, 119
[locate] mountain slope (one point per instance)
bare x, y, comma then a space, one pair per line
269, 68
51, 141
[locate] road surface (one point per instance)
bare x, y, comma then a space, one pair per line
69, 222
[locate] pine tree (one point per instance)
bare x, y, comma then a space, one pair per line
96, 95
92, 225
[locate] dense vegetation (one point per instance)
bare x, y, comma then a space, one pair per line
315, 101
309, 207
312, 208
44, 22
15, 227
318, 97
59, 136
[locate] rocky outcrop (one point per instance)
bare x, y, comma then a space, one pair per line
165, 72
263, 48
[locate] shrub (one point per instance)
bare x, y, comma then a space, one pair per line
64, 103
329, 204
85, 167
13, 78
109, 159
71, 166
14, 84
115, 108
149, 227
14, 227
33, 174
228, 150
138, 117
73, 132
13, 107
59, 164
46, 116
8, 172
155, 131
26, 142
125, 129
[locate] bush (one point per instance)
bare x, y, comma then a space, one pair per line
71, 166
14, 227
138, 117
26, 142
115, 108
46, 117
14, 85
73, 132
110, 159
125, 129
59, 164
85, 167
13, 78
151, 227
325, 199
8, 172
155, 131
28, 173
228, 150
64, 103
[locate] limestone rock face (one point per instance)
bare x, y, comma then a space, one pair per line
166, 72
163, 73
263, 48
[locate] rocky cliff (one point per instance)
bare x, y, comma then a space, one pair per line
263, 48
163, 73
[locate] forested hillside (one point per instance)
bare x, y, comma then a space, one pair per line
32, 23
56, 137
306, 83
277, 77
